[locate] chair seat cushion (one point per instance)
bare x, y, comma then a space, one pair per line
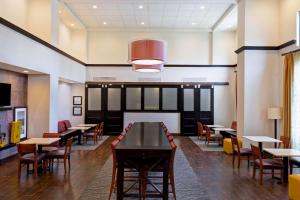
89, 134
269, 163
56, 154
29, 158
48, 149
244, 152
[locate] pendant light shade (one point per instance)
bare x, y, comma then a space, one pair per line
147, 55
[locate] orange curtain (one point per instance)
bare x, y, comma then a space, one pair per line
287, 93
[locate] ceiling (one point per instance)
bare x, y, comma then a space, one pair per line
151, 14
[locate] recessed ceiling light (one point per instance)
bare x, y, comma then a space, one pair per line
142, 23
202, 7
194, 23
141, 6
25, 71
104, 23
59, 11
72, 24
95, 6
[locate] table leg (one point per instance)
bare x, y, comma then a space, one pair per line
120, 179
40, 148
286, 169
166, 180
79, 138
260, 146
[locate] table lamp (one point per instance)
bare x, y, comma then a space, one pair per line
275, 113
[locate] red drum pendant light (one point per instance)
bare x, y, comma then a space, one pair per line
147, 55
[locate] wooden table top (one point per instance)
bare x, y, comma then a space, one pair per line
40, 141
145, 136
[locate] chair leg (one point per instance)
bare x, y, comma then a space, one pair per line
272, 173
35, 168
69, 162
172, 182
254, 171
291, 168
248, 159
65, 165
261, 172
113, 178
239, 161
233, 158
19, 169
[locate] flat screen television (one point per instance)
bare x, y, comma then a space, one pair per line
5, 93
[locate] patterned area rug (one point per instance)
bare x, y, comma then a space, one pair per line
204, 147
187, 185
89, 146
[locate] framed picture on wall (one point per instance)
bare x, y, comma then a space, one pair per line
77, 110
20, 114
77, 100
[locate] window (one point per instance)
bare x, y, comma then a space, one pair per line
151, 99
188, 100
94, 99
204, 99
133, 98
169, 99
114, 99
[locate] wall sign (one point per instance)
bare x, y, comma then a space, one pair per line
77, 100
77, 110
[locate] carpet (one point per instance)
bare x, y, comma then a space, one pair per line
89, 146
187, 185
204, 147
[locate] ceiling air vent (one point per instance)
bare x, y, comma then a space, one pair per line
98, 78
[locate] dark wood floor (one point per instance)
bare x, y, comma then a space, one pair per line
213, 169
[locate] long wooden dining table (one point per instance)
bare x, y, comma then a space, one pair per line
144, 144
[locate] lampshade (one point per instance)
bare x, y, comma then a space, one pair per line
274, 113
147, 55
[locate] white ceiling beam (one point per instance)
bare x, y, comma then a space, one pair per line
225, 14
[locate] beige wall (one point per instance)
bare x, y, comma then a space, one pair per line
14, 11
224, 45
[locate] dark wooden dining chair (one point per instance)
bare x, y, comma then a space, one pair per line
121, 137
212, 137
264, 164
233, 125
93, 134
241, 153
285, 142
100, 131
51, 147
200, 130
27, 154
62, 154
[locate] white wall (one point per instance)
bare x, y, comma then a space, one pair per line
172, 120
66, 91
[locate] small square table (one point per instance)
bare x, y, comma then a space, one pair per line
82, 129
223, 129
40, 142
261, 139
285, 153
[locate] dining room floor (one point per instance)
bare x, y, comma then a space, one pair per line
213, 170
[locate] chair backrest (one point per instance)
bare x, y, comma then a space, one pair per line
61, 126
51, 135
286, 142
200, 128
68, 124
234, 125
123, 133
207, 133
168, 133
101, 128
26, 148
68, 146
113, 146
235, 144
170, 138
121, 137
174, 147
126, 129
256, 153
130, 125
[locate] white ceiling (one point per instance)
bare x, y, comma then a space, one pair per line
155, 14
